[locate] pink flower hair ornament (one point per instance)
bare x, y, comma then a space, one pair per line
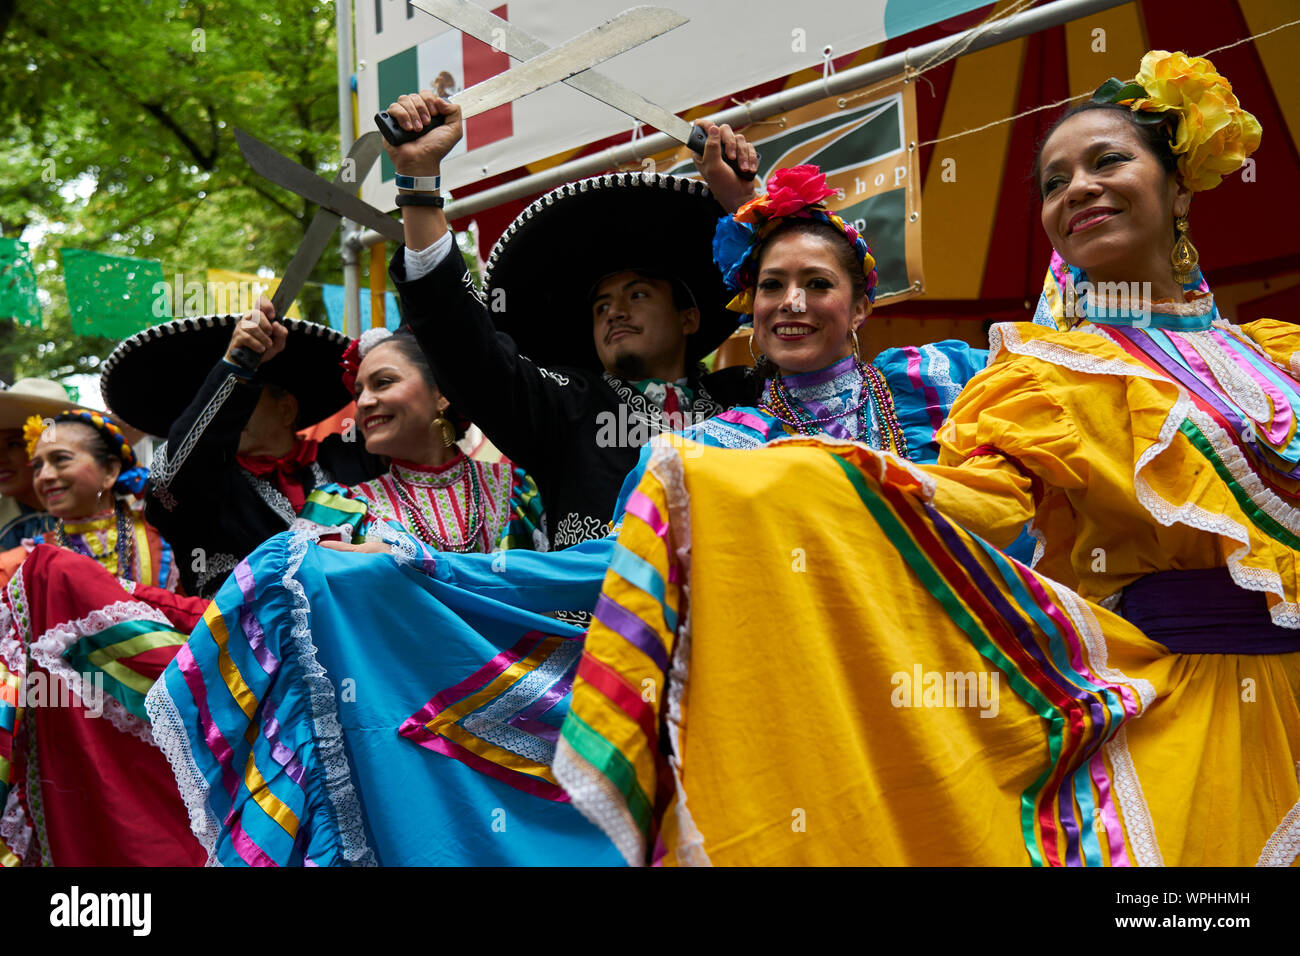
795, 193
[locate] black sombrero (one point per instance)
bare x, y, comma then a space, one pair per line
551, 256
150, 378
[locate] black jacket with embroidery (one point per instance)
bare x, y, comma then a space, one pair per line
212, 511
578, 433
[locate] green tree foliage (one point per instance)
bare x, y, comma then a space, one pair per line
118, 119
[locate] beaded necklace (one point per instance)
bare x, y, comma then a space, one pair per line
884, 402
788, 410
124, 545
426, 532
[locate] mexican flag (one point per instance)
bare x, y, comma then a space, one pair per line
449, 63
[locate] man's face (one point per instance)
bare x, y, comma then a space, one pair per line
270, 428
638, 331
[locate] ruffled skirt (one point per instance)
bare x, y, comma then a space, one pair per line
799, 660
83, 782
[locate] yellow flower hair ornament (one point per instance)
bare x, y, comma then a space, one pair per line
131, 480
33, 429
1209, 131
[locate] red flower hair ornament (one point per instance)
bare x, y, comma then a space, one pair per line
356, 351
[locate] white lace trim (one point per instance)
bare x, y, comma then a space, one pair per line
1102, 303
171, 738
1126, 786
1132, 802
315, 531
47, 650
1283, 847
666, 466
329, 732
1006, 335
1245, 476
15, 829
1240, 387
596, 798
590, 792
1284, 614
12, 649
1094, 640
407, 549
1040, 541
725, 434
941, 375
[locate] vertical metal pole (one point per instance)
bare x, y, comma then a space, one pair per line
347, 125
378, 284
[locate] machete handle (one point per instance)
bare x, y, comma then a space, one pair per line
699, 139
397, 136
246, 359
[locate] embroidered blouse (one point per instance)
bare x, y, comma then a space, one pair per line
896, 404
462, 505
150, 559
1164, 439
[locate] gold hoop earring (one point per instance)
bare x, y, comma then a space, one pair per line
447, 430
856, 354
1184, 257
757, 359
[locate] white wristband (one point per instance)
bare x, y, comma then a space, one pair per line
423, 184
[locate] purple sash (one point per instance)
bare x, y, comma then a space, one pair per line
1204, 612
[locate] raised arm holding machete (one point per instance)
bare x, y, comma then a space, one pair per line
610, 300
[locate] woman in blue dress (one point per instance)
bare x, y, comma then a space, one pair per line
394, 704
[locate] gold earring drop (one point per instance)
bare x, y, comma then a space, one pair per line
447, 429
752, 336
1184, 256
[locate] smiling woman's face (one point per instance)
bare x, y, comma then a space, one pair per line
396, 406
804, 305
1108, 204
70, 481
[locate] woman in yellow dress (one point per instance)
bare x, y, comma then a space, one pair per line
825, 658
1154, 444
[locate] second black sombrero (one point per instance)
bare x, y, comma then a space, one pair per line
150, 378
543, 268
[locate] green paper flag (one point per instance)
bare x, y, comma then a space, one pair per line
18, 299
110, 295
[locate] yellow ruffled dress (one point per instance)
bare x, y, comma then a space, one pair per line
1125, 473
805, 655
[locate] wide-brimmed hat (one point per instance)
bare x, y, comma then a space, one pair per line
32, 396
152, 377
44, 399
544, 267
